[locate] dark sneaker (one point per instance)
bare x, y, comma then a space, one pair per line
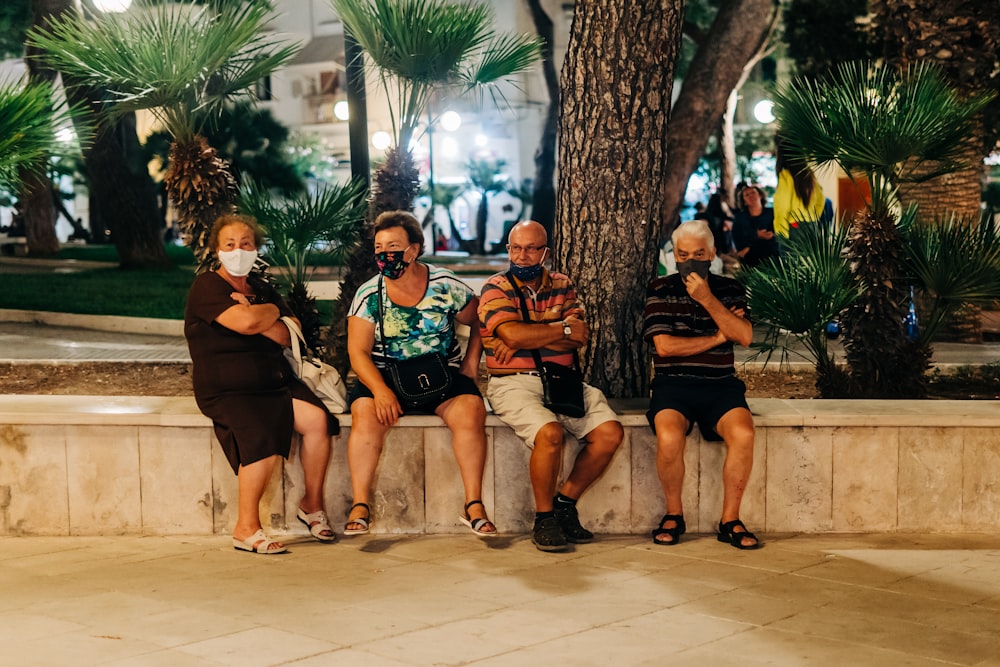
569, 521
548, 536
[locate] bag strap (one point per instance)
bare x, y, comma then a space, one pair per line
381, 332
297, 338
527, 318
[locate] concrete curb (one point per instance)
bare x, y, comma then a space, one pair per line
138, 325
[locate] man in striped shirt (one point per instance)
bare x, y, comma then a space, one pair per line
692, 320
556, 330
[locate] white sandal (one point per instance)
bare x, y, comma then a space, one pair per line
317, 523
259, 543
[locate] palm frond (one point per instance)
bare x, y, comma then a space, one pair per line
799, 295
29, 120
185, 59
953, 262
324, 221
870, 118
433, 47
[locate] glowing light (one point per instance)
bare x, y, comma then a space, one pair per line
450, 121
763, 111
112, 5
381, 140
449, 147
65, 135
341, 110
481, 140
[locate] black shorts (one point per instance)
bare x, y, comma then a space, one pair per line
460, 384
700, 400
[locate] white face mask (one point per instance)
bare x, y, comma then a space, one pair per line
238, 262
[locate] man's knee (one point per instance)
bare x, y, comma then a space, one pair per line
607, 437
550, 436
737, 429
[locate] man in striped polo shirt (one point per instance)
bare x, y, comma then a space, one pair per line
556, 330
692, 320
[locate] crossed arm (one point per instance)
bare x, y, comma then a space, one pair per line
732, 325
249, 319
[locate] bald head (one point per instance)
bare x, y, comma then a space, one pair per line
528, 232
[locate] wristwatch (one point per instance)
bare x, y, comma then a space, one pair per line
567, 331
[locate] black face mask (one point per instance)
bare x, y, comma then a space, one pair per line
699, 266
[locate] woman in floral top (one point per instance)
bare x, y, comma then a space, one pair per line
420, 304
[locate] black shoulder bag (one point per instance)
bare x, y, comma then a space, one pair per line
562, 386
422, 379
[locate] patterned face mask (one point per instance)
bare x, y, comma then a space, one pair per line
391, 264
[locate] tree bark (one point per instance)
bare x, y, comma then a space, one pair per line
35, 195
727, 151
126, 198
616, 87
742, 27
543, 197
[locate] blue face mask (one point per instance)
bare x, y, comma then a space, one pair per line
526, 273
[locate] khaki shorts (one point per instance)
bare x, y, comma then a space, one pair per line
517, 400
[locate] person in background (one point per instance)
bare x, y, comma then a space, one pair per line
753, 228
798, 197
243, 383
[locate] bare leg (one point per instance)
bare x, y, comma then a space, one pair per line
364, 447
736, 428
465, 415
310, 421
251, 481
671, 437
602, 443
546, 457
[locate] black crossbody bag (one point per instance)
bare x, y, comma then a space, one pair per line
562, 386
420, 379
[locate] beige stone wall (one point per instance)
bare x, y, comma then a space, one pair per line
73, 465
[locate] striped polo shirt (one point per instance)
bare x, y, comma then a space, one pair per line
554, 301
670, 310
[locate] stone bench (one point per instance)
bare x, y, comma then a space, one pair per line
99, 465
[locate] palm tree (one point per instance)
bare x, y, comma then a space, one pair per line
183, 62
28, 124
421, 50
892, 127
487, 177
797, 297
297, 228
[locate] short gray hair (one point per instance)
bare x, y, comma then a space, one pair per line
694, 229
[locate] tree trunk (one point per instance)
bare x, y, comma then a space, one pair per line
543, 197
127, 199
35, 194
616, 86
742, 26
727, 152
39, 214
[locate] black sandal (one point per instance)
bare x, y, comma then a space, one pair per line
477, 525
675, 533
364, 522
728, 535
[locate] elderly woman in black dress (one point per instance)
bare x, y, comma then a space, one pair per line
243, 382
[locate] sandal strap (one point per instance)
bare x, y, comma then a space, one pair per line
469, 504
365, 505
727, 533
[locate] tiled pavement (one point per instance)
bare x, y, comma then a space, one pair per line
453, 600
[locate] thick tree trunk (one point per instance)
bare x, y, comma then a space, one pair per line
742, 26
543, 197
127, 200
39, 214
616, 85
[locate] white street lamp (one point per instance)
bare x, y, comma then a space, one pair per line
763, 111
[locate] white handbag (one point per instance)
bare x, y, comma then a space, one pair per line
322, 378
